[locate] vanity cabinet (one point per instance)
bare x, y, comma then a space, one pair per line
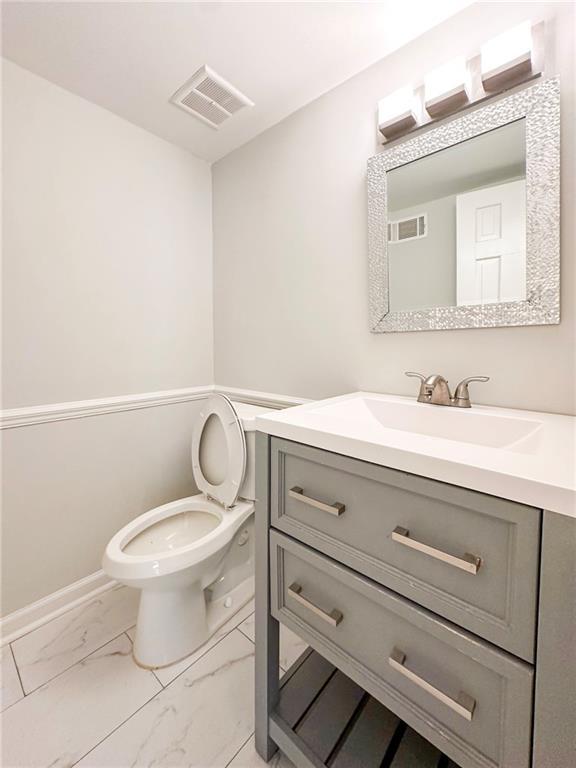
423, 596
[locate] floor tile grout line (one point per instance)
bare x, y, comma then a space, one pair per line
18, 673
239, 628
235, 755
153, 697
67, 669
145, 703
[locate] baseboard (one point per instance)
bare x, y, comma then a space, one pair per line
20, 622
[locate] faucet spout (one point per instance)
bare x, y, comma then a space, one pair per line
437, 389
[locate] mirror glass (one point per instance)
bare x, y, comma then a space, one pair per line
457, 224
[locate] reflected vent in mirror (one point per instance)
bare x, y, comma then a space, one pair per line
210, 98
408, 229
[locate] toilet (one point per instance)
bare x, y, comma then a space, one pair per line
193, 559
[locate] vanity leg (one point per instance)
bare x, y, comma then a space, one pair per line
555, 705
266, 628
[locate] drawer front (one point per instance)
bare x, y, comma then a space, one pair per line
469, 557
471, 700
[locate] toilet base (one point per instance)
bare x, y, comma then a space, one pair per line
172, 625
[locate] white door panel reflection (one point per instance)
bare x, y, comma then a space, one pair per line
491, 244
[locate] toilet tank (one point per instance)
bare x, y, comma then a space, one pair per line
247, 415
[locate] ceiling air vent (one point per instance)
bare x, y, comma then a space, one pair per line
209, 97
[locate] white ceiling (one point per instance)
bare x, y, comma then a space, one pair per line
130, 57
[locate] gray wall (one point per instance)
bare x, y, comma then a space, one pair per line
422, 272
107, 252
290, 246
107, 291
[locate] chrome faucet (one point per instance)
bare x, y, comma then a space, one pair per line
435, 390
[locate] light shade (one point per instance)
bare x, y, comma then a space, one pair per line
396, 113
447, 88
507, 58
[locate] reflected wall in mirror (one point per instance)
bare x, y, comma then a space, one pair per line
464, 220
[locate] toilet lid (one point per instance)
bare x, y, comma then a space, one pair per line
219, 451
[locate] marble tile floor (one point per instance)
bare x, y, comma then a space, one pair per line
71, 695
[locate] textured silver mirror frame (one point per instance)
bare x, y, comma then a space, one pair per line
540, 105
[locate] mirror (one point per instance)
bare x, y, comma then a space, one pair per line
463, 220
457, 221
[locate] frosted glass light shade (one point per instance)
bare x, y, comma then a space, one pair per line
507, 58
396, 113
447, 88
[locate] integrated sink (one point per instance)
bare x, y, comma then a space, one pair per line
463, 426
524, 456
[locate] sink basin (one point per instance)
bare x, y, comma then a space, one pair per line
446, 423
523, 456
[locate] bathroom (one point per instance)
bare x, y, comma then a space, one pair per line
162, 274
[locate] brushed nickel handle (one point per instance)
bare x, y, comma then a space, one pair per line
333, 618
333, 509
464, 705
469, 563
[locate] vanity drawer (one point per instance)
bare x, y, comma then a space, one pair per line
467, 556
471, 700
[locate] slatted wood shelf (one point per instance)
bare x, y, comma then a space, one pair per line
324, 720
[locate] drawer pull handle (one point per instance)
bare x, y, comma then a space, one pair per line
333, 509
333, 618
463, 706
469, 563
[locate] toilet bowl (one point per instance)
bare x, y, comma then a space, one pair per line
193, 559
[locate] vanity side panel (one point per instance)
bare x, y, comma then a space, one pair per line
555, 704
267, 629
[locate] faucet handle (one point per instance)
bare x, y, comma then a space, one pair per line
423, 394
462, 395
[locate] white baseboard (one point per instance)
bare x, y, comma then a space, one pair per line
20, 622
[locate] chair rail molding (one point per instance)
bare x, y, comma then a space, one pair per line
27, 416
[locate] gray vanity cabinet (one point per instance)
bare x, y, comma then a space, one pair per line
427, 597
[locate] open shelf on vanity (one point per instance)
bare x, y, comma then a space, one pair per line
324, 719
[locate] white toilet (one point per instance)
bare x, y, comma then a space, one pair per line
193, 559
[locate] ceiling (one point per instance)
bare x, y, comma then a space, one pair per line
491, 158
130, 57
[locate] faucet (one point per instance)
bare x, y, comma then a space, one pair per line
435, 390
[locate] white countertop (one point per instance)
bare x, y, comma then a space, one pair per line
538, 469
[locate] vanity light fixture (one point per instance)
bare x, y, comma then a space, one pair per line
396, 113
507, 58
511, 58
447, 88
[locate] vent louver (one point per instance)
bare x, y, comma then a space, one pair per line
408, 229
209, 97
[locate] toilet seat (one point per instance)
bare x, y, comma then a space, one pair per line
225, 492
126, 567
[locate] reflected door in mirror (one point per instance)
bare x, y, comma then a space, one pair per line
491, 244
